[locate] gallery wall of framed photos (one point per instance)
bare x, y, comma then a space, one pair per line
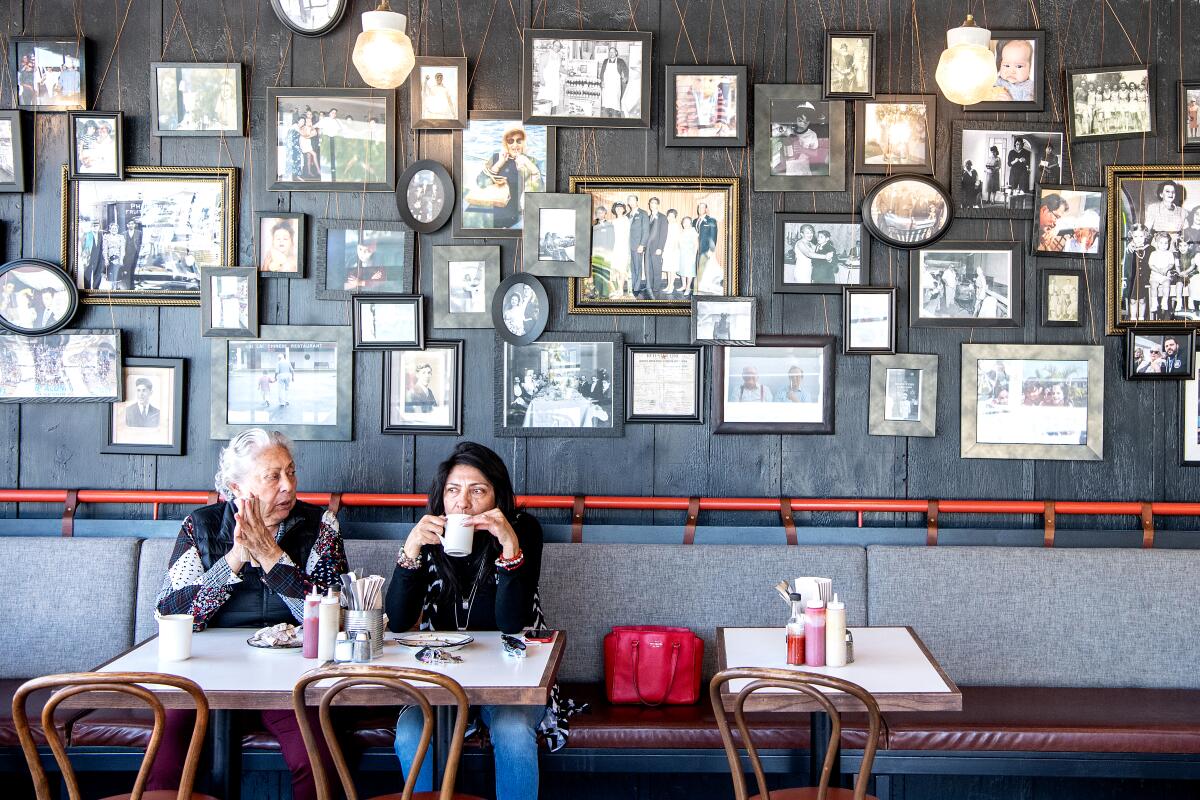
224, 131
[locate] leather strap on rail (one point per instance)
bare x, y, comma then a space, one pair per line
1147, 526
689, 527
931, 523
1048, 529
577, 519
213, 497
789, 520
70, 503
335, 503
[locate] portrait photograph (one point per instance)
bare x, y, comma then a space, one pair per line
465, 278
1020, 72
1110, 102
903, 398
425, 196
95, 139
586, 78
657, 243
70, 366
389, 322
1189, 424
438, 93
557, 240
820, 253
498, 160
907, 211
331, 139
309, 17
36, 297
1188, 119
422, 389
196, 99
369, 256
149, 421
664, 383
1159, 355
967, 285
520, 309
799, 140
1070, 222
998, 166
1063, 293
724, 320
895, 133
280, 244
229, 302
868, 320
12, 152
707, 106
849, 64
782, 384
48, 74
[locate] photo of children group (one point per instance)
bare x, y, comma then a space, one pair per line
1032, 401
1160, 250
1111, 103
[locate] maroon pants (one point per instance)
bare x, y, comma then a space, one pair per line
168, 764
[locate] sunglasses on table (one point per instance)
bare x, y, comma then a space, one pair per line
513, 646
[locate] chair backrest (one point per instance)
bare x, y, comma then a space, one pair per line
76, 683
399, 680
805, 683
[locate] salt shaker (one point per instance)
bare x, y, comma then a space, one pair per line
362, 648
343, 648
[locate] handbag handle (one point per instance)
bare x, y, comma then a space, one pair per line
637, 684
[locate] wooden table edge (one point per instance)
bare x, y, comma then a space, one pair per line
936, 665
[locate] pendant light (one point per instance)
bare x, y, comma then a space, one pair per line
966, 72
383, 54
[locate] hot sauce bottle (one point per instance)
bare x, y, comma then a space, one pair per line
795, 632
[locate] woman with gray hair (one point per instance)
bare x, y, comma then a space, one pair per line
247, 561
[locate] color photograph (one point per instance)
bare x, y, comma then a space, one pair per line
894, 133
197, 99
280, 244
499, 160
49, 74
438, 94
68, 366
1070, 222
707, 106
1020, 72
331, 139
371, 256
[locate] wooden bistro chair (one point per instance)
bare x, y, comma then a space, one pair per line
806, 683
77, 683
398, 679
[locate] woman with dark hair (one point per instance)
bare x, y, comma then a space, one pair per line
493, 588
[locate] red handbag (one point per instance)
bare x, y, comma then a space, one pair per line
652, 665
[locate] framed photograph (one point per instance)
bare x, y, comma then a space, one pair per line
36, 297
76, 366
1070, 222
557, 239
1189, 424
465, 278
95, 140
566, 384
331, 140
367, 256
594, 79
425, 196
1020, 72
967, 285
664, 383
849, 64
229, 302
895, 133
279, 246
297, 379
1153, 247
1001, 164
868, 320
1062, 298
708, 106
907, 211
799, 140
150, 420
724, 320
1032, 401
820, 253
781, 384
438, 93
1162, 355
143, 240
1110, 102
1188, 119
497, 160
903, 395
520, 309
656, 242
389, 322
423, 389
12, 152
309, 17
48, 73
196, 99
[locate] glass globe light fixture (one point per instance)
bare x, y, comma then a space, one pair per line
383, 54
966, 72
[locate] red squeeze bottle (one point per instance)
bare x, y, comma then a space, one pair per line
795, 633
312, 611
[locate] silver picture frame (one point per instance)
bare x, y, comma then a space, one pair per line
443, 301
889, 415
765, 96
577, 254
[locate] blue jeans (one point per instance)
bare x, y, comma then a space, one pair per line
514, 739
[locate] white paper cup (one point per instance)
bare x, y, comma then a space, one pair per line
174, 637
458, 538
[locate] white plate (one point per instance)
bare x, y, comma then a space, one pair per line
446, 641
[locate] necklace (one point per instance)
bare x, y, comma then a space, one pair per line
469, 602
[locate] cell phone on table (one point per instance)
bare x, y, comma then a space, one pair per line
544, 636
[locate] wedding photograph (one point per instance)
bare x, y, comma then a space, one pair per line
588, 78
331, 139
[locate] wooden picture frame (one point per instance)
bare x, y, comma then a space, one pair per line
860, 342
867, 124
425, 196
547, 49
849, 85
130, 430
32, 312
1084, 117
420, 88
893, 408
89, 157
676, 398
367, 333
465, 278
221, 312
95, 352
379, 274
785, 358
935, 301
566, 251
1037, 68
788, 159
478, 196
12, 137
280, 264
1058, 311
679, 118
851, 253
443, 361
65, 54
173, 119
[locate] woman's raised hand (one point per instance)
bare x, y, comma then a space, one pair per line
428, 530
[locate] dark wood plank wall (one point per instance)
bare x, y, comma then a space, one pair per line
781, 41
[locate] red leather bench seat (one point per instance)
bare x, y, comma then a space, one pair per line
33, 709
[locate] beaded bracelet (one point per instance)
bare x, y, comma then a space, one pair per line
404, 562
511, 563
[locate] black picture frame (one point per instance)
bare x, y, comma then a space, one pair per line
634, 354
829, 222
321, 257
1069, 81
1185, 342
765, 180
16, 143
174, 426
528, 112
1016, 307
1187, 142
454, 427
311, 32
848, 321
209, 328
1047, 275
1094, 196
671, 135
861, 167
158, 114
1038, 37
723, 357
65, 47
830, 37
414, 342
96, 350
36, 276
533, 328
416, 102
444, 316
746, 307
441, 175
913, 236
1038, 137
298, 230
580, 266
76, 120
1189, 413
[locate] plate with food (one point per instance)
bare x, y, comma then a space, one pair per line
439, 639
283, 637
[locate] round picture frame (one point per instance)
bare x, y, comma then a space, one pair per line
36, 277
533, 327
907, 232
448, 192
299, 30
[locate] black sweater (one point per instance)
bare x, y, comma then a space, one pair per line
503, 600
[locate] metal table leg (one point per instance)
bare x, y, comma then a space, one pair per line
443, 729
820, 729
224, 742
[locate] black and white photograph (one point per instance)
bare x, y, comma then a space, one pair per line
799, 140
96, 142
362, 256
47, 73
707, 104
724, 320
280, 243
820, 253
895, 133
782, 384
1188, 115
664, 383
465, 278
12, 152
903, 399
907, 211
499, 160
309, 17
849, 64
76, 366
1110, 102
196, 99
903, 395
36, 297
1070, 222
438, 93
1020, 72
334, 140
229, 302
1062, 294
557, 239
567, 384
1159, 355
520, 309
967, 285
422, 389
389, 322
149, 421
869, 320
586, 78
999, 166
425, 196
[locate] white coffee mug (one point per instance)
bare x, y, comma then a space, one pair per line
174, 637
458, 538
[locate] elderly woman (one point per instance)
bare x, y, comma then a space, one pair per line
246, 562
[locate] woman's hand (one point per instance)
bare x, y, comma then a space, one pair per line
428, 530
494, 523
258, 541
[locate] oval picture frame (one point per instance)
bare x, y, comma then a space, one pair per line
35, 287
448, 192
294, 27
917, 233
533, 327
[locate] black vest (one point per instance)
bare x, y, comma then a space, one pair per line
251, 603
